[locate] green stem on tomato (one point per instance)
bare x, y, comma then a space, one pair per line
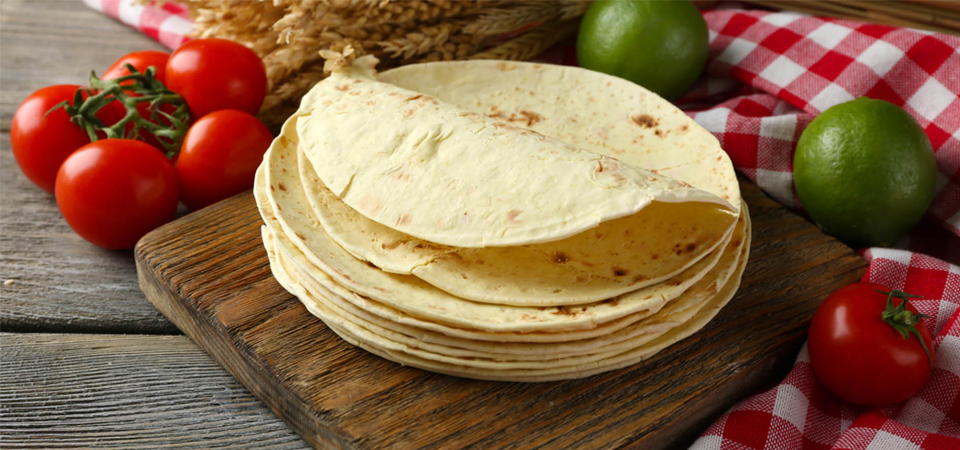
131, 90
902, 320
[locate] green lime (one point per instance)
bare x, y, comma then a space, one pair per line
660, 45
865, 172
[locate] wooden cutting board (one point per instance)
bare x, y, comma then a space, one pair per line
208, 273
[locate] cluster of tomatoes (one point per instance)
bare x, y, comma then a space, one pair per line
119, 164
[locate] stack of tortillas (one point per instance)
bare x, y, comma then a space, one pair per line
501, 220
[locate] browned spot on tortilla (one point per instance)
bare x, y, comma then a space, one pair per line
371, 264
560, 257
587, 263
645, 120
685, 127
582, 278
527, 317
413, 97
302, 237
619, 271
529, 117
505, 66
612, 301
512, 216
584, 309
532, 117
608, 84
343, 87
401, 176
654, 256
564, 311
691, 247
639, 278
282, 187
659, 133
464, 276
407, 112
455, 256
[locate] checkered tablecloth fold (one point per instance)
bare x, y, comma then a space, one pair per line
767, 77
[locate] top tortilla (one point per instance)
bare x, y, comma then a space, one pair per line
454, 177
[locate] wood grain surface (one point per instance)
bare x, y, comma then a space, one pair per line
209, 274
94, 390
61, 282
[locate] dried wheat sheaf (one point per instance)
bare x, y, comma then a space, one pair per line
300, 41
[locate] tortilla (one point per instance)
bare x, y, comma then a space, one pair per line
410, 162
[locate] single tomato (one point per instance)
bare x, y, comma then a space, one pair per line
140, 61
219, 157
113, 191
42, 139
215, 74
868, 346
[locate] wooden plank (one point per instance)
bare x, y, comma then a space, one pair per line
209, 274
61, 282
56, 42
71, 391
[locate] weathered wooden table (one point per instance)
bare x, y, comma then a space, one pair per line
85, 360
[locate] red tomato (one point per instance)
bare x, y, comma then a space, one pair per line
219, 157
140, 61
114, 191
859, 356
214, 74
41, 141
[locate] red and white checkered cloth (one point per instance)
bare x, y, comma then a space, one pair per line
768, 76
